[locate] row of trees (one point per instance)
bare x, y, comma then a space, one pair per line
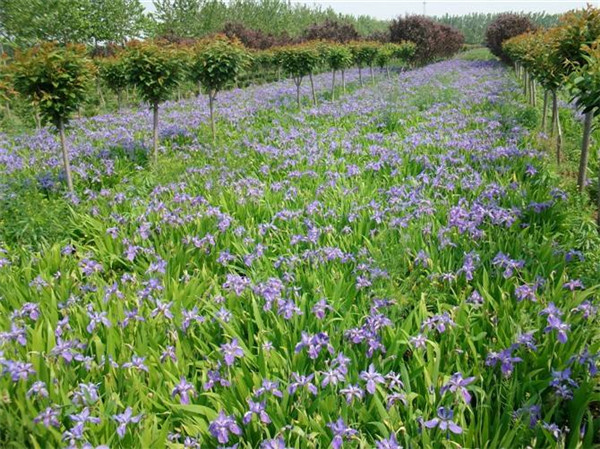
196, 18
563, 57
56, 79
24, 23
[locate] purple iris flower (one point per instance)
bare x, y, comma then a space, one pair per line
388, 443
277, 443
222, 426
341, 432
48, 417
302, 381
184, 389
352, 392
555, 323
457, 383
372, 378
563, 384
444, 422
84, 417
258, 409
231, 351
418, 341
534, 412
269, 387
38, 389
124, 419
505, 359
573, 285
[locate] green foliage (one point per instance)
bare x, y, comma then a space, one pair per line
53, 78
385, 54
404, 51
218, 64
576, 30
117, 20
585, 82
153, 69
113, 72
197, 18
364, 53
83, 21
553, 55
298, 60
338, 57
7, 91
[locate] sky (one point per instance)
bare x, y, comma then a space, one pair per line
388, 9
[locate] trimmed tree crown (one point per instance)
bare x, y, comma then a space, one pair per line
54, 78
155, 70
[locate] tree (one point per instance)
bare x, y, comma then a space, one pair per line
338, 57
365, 53
503, 28
113, 71
585, 88
384, 56
331, 30
83, 21
432, 40
404, 51
31, 21
155, 71
217, 65
189, 18
116, 21
298, 61
56, 80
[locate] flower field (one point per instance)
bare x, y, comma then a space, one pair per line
400, 267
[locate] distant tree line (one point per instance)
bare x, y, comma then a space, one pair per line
92, 22
474, 25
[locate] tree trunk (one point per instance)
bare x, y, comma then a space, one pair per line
387, 71
344, 82
333, 86
65, 154
298, 81
312, 89
155, 131
211, 105
360, 76
372, 75
532, 91
119, 100
554, 116
585, 148
545, 111
526, 84
556, 126
38, 120
100, 95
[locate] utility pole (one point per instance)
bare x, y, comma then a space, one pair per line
424, 8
